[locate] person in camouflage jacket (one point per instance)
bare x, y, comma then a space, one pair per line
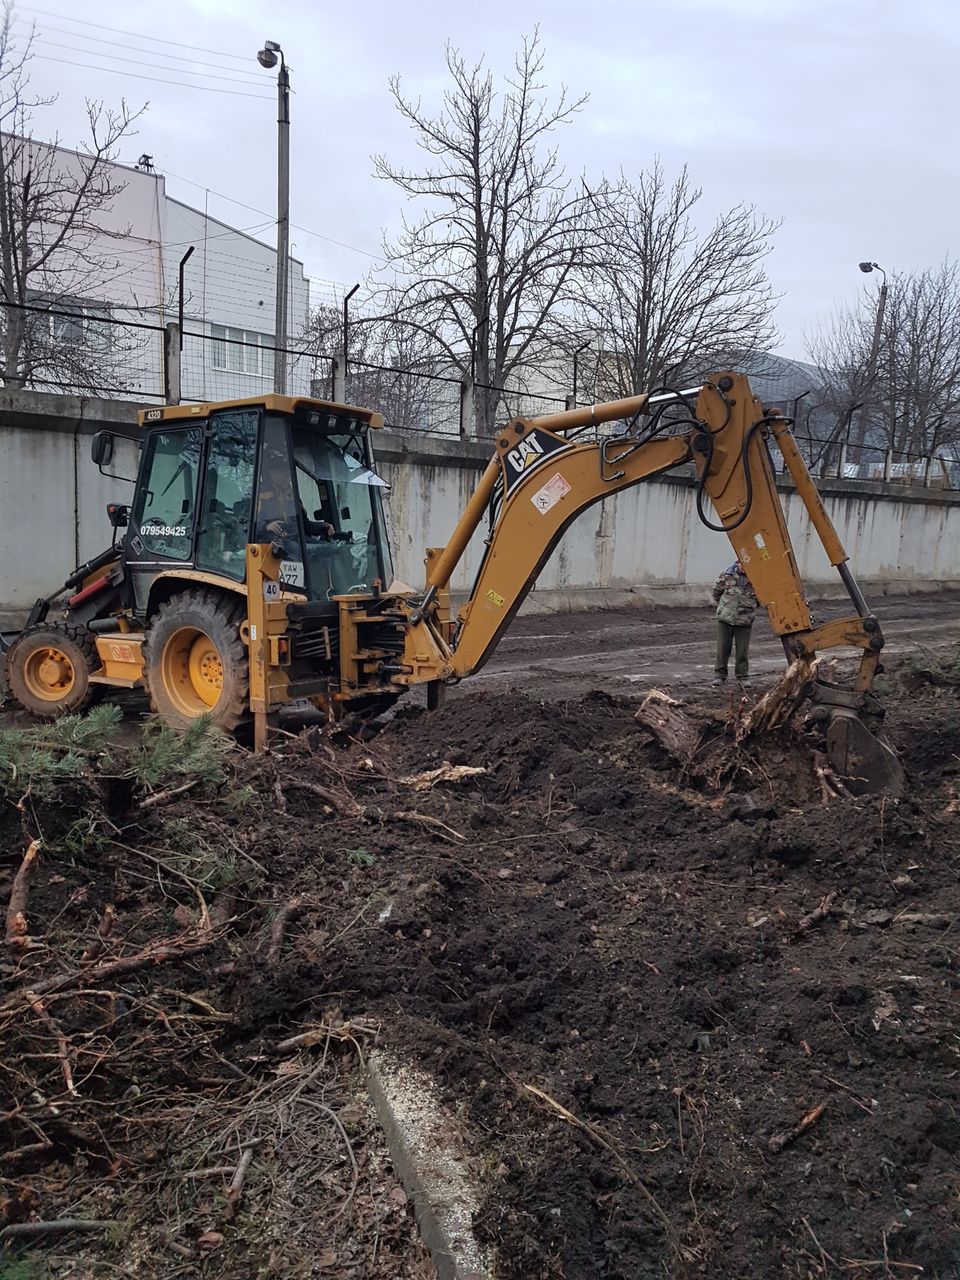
736, 606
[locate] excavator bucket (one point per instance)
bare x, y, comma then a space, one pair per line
866, 764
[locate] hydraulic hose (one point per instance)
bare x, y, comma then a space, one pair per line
747, 475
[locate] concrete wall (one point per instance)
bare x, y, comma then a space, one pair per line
647, 545
643, 545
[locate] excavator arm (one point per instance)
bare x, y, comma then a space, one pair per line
541, 479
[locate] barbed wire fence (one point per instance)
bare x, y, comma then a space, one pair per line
132, 354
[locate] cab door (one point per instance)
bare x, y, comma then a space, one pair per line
163, 524
227, 499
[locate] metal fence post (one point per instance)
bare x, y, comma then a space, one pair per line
887, 466
171, 364
927, 468
339, 379
842, 462
468, 420
570, 401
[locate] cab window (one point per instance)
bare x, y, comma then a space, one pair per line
339, 502
165, 506
277, 515
228, 493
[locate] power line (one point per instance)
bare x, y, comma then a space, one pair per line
253, 209
183, 84
197, 241
45, 42
137, 35
118, 44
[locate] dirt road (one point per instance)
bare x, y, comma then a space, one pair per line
566, 655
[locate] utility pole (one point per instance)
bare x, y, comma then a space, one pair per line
267, 57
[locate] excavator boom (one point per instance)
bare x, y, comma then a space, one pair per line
540, 479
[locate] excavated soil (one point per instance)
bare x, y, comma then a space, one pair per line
698, 1017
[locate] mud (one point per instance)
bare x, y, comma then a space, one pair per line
698, 1021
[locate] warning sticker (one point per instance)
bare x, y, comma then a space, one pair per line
551, 493
495, 598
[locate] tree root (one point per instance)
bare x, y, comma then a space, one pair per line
17, 936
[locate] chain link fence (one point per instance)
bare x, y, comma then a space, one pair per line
120, 352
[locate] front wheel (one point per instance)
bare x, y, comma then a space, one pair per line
49, 668
196, 662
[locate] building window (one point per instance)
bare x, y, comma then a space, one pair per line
71, 322
242, 351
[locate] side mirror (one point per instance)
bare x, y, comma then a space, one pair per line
101, 448
118, 513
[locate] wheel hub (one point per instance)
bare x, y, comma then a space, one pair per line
48, 673
192, 671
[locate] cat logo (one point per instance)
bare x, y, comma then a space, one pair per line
527, 454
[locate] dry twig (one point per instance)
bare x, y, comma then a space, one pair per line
36, 1004
306, 1039
781, 1140
596, 1136
818, 913
158, 953
104, 929
425, 820
345, 806
446, 772
235, 1190
164, 797
57, 1226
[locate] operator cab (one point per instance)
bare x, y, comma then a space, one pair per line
294, 472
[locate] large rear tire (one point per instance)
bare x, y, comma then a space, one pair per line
49, 668
196, 663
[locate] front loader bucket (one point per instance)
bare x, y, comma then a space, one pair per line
864, 763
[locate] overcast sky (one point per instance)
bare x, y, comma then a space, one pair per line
837, 116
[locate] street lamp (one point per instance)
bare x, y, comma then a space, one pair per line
576, 369
866, 268
267, 57
346, 335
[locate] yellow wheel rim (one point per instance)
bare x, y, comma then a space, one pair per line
49, 674
192, 671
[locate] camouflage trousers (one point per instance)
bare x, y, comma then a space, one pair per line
728, 637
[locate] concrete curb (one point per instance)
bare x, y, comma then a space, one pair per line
429, 1157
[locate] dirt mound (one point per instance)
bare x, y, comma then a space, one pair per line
700, 1020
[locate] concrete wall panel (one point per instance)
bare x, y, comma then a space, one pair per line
642, 545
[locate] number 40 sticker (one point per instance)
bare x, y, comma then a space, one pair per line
271, 591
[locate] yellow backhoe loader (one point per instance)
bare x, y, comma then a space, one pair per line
253, 569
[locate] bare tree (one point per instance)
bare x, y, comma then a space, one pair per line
51, 243
482, 273
664, 302
394, 368
914, 400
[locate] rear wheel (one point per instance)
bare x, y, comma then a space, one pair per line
49, 668
196, 663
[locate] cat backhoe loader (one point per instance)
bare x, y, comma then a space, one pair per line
252, 568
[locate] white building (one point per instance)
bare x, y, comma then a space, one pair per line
126, 289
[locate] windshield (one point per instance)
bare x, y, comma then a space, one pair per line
339, 497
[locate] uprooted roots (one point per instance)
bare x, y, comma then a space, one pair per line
747, 745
